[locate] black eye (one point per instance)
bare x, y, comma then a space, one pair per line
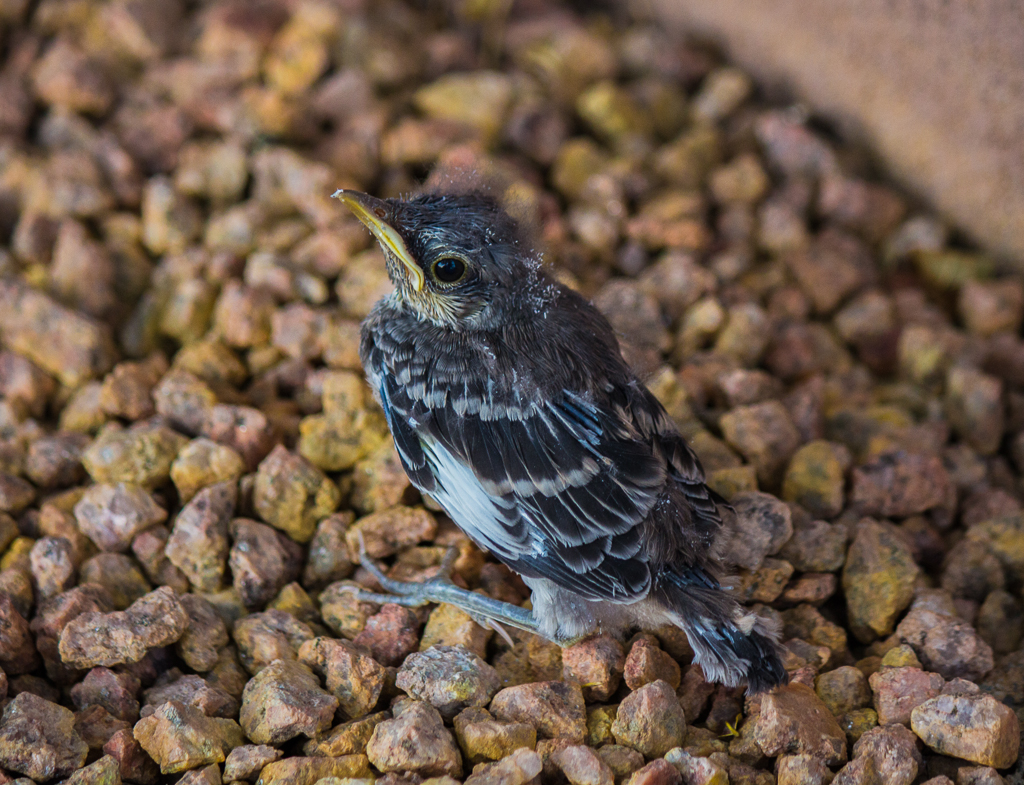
449, 269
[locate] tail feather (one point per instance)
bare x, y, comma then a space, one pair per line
732, 644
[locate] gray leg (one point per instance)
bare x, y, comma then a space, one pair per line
441, 589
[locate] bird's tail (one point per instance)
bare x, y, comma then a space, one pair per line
732, 644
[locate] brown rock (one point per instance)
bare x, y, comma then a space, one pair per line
111, 515
38, 738
657, 772
898, 484
898, 691
582, 766
801, 770
793, 720
183, 399
355, 679
327, 559
262, 561
647, 663
650, 720
309, 771
56, 461
944, 643
449, 678
244, 429
597, 664
878, 579
115, 692
127, 389
92, 639
268, 636
17, 649
55, 614
390, 635
762, 525
284, 700
765, 435
293, 495
180, 738
198, 545
483, 738
349, 738
142, 455
95, 726
385, 533
133, 762
205, 636
519, 768
201, 463
415, 741
554, 708
246, 762
893, 753
974, 727
189, 690
843, 690
15, 493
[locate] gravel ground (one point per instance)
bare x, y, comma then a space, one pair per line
189, 456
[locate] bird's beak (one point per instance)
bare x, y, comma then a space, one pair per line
372, 211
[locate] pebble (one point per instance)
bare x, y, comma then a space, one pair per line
349, 769
899, 484
133, 762
977, 728
744, 337
198, 545
843, 690
556, 709
245, 762
390, 635
765, 435
647, 663
15, 494
244, 429
990, 307
201, 463
450, 626
52, 566
890, 752
111, 515
1000, 622
157, 619
127, 389
327, 559
974, 408
697, 770
54, 614
293, 495
38, 739
449, 678
519, 768
118, 574
582, 766
878, 579
283, 701
354, 678
597, 664
71, 346
815, 478
793, 720
115, 692
897, 691
816, 546
386, 532
801, 770
56, 461
183, 399
657, 772
348, 738
180, 737
262, 561
762, 525
415, 741
271, 635
189, 690
483, 738
944, 643
650, 720
205, 635
141, 455
102, 772
971, 571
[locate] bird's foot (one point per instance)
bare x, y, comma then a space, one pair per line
487, 612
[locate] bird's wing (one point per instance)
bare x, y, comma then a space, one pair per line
558, 490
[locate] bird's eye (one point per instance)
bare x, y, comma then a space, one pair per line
449, 269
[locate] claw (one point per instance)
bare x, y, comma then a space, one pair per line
492, 624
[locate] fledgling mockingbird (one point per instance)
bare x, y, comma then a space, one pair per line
510, 404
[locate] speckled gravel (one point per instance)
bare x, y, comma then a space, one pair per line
190, 457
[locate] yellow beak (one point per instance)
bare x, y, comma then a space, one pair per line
371, 211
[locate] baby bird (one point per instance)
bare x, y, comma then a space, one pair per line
510, 404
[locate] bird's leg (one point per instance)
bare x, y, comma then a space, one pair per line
440, 588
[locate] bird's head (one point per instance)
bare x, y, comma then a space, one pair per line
456, 260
